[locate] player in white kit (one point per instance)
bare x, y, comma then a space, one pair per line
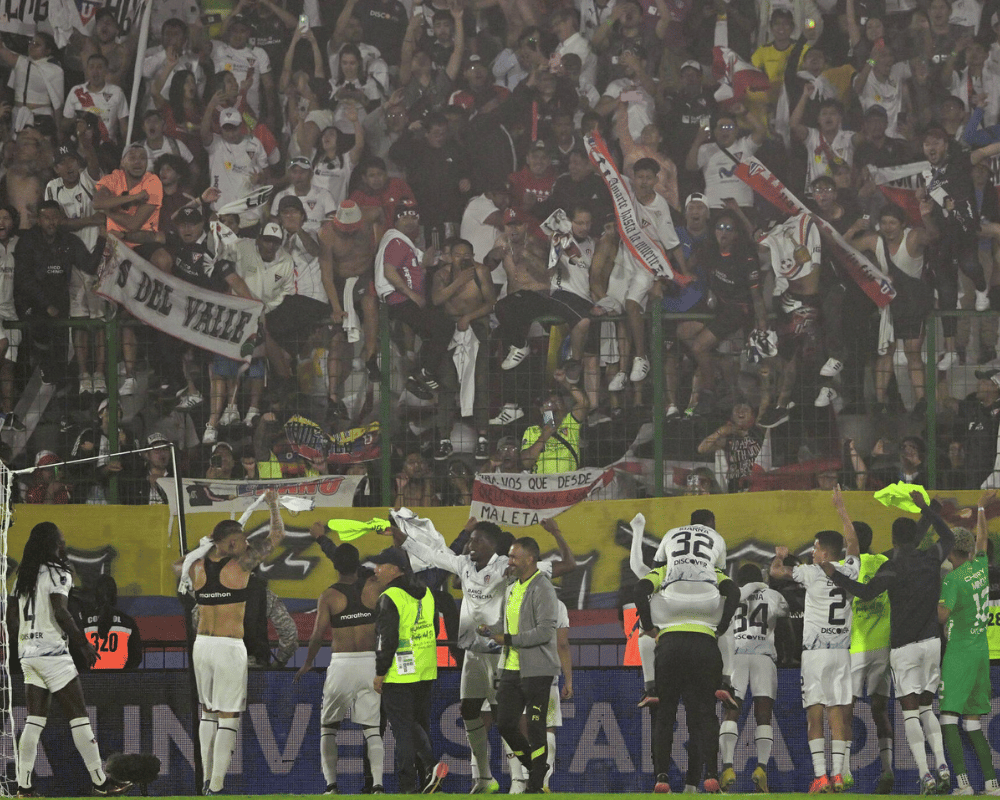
482, 569
688, 661
754, 667
45, 627
702, 522
826, 645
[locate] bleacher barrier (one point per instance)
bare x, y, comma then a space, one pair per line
603, 745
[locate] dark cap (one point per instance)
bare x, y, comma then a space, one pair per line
876, 110
65, 151
514, 216
241, 19
392, 555
538, 144
190, 214
105, 12
936, 130
290, 201
407, 206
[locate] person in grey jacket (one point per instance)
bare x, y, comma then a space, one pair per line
530, 659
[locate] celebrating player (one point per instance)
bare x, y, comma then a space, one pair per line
755, 668
219, 571
347, 609
912, 577
45, 625
688, 661
965, 673
826, 642
482, 569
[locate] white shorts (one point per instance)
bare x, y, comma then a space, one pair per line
479, 674
349, 685
553, 719
83, 299
757, 672
13, 338
826, 678
916, 668
49, 672
641, 281
870, 672
220, 670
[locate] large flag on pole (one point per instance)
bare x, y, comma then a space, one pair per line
871, 279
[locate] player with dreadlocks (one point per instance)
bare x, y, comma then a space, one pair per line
45, 627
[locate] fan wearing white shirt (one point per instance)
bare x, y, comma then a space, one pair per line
317, 201
97, 96
826, 645
236, 159
174, 48
237, 56
482, 570
827, 145
37, 80
715, 159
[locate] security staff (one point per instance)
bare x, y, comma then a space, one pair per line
406, 667
530, 660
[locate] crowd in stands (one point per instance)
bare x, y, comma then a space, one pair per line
432, 158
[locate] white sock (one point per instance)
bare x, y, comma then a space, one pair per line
376, 753
475, 730
225, 741
728, 734
764, 739
962, 780
885, 753
992, 785
647, 653
688, 789
838, 750
932, 731
328, 752
514, 763
847, 760
27, 749
915, 739
550, 754
818, 749
86, 744
206, 736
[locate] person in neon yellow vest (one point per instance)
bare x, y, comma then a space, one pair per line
406, 668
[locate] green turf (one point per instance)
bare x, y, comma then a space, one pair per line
790, 796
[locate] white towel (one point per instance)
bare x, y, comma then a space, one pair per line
352, 322
886, 334
185, 586
420, 529
466, 346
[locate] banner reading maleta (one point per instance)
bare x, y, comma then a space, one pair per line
520, 499
220, 323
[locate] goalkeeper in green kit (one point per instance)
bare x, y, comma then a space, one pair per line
965, 672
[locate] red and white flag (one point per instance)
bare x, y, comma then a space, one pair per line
872, 281
639, 243
736, 77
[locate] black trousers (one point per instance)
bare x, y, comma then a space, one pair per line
950, 256
407, 707
432, 325
688, 668
517, 695
516, 312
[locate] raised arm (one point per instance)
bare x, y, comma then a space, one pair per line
850, 535
255, 555
982, 532
568, 562
778, 569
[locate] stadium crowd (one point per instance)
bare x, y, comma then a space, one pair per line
446, 171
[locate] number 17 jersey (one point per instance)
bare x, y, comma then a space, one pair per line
826, 621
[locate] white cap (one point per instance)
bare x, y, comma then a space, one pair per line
230, 116
273, 229
692, 63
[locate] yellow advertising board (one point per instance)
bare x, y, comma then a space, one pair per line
138, 544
